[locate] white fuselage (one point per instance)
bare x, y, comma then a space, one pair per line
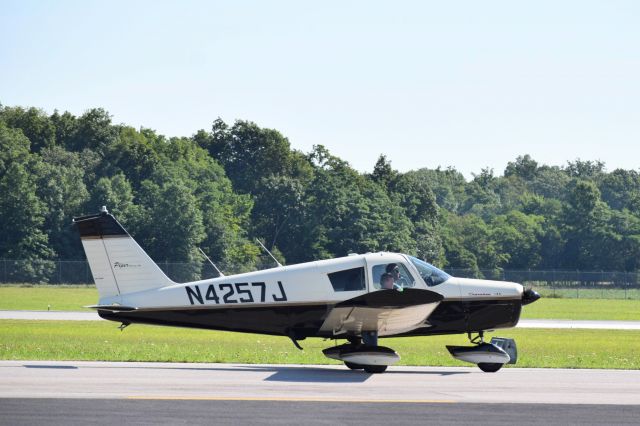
305, 283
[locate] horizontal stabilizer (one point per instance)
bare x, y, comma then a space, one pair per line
112, 308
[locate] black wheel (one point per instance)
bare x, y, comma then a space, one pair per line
490, 367
374, 369
353, 365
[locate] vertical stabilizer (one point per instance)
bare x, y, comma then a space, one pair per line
118, 264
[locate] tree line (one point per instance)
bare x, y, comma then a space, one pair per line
221, 188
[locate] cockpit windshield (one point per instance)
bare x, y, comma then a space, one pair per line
429, 273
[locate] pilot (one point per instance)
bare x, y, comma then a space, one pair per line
386, 281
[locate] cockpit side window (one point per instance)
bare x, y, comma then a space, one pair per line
429, 273
399, 272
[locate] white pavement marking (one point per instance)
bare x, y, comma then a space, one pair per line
179, 381
524, 323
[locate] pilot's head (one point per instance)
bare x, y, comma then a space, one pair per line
386, 281
394, 270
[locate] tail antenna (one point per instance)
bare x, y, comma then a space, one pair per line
212, 264
269, 253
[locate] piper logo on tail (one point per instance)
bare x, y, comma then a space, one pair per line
125, 265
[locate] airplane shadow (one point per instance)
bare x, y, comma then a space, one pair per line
314, 375
56, 367
293, 374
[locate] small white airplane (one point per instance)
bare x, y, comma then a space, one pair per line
358, 298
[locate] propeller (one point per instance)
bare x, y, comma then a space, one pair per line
529, 296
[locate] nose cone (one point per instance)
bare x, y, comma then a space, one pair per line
529, 296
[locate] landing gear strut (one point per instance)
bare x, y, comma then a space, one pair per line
479, 339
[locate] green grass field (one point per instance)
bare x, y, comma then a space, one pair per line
42, 297
73, 298
583, 309
87, 340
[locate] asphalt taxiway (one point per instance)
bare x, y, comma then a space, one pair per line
73, 392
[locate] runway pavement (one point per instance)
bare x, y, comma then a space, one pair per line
82, 412
56, 393
524, 323
75, 379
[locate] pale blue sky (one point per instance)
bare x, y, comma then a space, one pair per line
467, 84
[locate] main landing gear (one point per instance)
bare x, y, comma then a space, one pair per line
490, 357
364, 354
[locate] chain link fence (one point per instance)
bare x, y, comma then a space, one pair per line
550, 283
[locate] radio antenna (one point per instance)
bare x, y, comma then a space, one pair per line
269, 253
212, 264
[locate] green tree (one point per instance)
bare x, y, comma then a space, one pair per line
60, 185
249, 153
621, 189
34, 124
519, 236
21, 210
171, 226
93, 131
524, 167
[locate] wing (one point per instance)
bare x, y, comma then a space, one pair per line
388, 312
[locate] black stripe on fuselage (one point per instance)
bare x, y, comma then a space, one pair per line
450, 317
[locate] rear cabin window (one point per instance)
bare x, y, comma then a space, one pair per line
348, 280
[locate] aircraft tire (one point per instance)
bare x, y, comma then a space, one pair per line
374, 369
490, 367
353, 365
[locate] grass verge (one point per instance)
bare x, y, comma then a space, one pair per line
89, 340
